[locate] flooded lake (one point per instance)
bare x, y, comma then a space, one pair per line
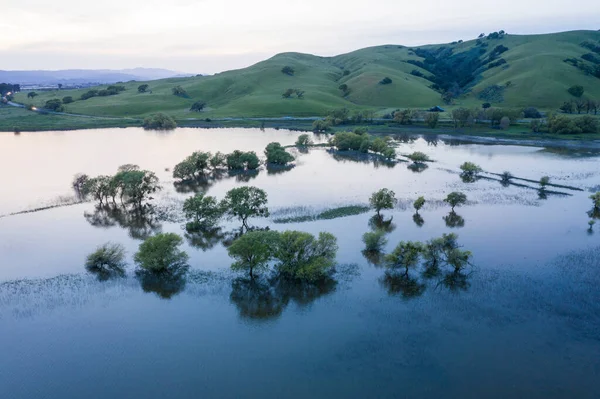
525, 323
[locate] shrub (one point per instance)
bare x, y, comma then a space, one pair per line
161, 253
504, 122
288, 93
385, 81
345, 141
198, 106
576, 91
462, 117
142, 88
374, 241
418, 157
432, 119
107, 259
67, 100
303, 140
404, 117
470, 168
486, 105
159, 121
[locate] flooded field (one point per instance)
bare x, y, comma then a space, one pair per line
524, 322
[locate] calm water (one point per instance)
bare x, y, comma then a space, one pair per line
527, 324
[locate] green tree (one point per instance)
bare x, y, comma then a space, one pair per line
250, 160
303, 140
54, 105
97, 187
218, 160
32, 94
67, 100
277, 155
544, 181
470, 169
179, 91
288, 70
161, 253
159, 121
456, 199
202, 212
383, 199
143, 88
253, 251
245, 202
405, 256
138, 185
374, 240
576, 91
301, 256
385, 81
418, 204
198, 106
193, 167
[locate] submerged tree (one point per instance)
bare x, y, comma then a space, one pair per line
303, 140
405, 256
202, 212
383, 199
303, 257
245, 202
161, 253
470, 171
253, 251
418, 204
455, 199
544, 181
277, 155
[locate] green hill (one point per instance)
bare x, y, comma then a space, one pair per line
531, 71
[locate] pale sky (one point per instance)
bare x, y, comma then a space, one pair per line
208, 36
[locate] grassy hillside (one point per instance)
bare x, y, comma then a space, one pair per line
533, 74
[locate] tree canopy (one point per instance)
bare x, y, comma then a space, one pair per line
161, 253
383, 199
277, 155
245, 202
456, 199
202, 212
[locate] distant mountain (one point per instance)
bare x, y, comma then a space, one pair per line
86, 76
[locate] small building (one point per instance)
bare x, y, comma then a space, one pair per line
437, 108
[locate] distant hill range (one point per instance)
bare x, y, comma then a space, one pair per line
498, 68
85, 76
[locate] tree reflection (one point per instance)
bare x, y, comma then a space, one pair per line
454, 220
403, 284
354, 156
377, 222
164, 284
141, 223
418, 219
205, 239
375, 258
243, 176
277, 170
456, 281
202, 184
262, 299
468, 178
542, 194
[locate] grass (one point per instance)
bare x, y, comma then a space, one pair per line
12, 118
328, 214
536, 72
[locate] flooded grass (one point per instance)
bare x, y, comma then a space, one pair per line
334, 213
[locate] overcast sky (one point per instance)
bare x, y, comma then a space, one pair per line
207, 36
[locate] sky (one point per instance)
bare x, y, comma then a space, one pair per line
209, 36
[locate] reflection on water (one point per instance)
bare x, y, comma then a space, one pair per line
141, 223
418, 219
378, 222
454, 220
164, 284
403, 284
262, 299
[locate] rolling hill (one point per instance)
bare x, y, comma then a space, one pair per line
531, 71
